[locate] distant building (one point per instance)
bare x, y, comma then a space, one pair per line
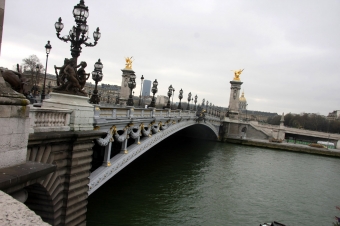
250, 115
162, 100
335, 115
243, 102
146, 88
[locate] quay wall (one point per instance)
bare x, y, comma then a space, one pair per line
286, 147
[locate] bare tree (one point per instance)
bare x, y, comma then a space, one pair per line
30, 66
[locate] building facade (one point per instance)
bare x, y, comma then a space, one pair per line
146, 88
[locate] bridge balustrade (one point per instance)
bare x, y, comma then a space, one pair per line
48, 120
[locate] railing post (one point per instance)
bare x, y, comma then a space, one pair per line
124, 147
131, 111
107, 155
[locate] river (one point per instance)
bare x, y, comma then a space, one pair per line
194, 182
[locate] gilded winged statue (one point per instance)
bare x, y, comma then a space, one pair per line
237, 74
128, 64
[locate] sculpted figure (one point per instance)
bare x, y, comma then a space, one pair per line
237, 74
70, 80
128, 64
15, 79
61, 76
71, 76
82, 75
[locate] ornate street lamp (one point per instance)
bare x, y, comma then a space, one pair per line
141, 88
131, 85
173, 94
180, 96
97, 76
48, 48
210, 108
78, 35
195, 102
154, 91
169, 95
189, 99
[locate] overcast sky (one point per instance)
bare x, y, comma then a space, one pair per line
290, 49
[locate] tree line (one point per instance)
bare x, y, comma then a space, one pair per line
309, 121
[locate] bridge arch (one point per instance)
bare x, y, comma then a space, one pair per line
121, 160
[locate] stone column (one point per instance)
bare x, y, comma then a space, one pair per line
234, 99
14, 123
125, 90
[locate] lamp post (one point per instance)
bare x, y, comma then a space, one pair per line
131, 85
154, 91
141, 88
180, 96
36, 78
48, 48
195, 102
189, 98
97, 76
78, 35
210, 109
171, 89
89, 93
173, 94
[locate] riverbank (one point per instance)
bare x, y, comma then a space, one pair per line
286, 146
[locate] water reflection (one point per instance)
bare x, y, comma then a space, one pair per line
193, 182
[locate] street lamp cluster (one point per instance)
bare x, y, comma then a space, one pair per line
78, 35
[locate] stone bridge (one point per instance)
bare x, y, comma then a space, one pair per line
146, 128
54, 156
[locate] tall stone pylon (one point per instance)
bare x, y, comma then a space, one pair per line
234, 99
127, 72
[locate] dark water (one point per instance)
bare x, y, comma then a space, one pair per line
194, 182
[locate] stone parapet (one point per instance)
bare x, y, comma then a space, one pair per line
81, 118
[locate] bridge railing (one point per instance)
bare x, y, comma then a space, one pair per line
48, 119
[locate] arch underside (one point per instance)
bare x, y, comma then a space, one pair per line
119, 161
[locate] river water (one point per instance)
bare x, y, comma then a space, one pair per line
194, 182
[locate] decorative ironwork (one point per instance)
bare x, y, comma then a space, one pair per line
180, 96
195, 102
141, 88
189, 99
131, 85
48, 48
169, 95
154, 91
97, 76
78, 35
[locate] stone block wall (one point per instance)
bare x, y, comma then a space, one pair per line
253, 133
14, 126
61, 198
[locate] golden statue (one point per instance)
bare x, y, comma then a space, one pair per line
128, 64
237, 74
